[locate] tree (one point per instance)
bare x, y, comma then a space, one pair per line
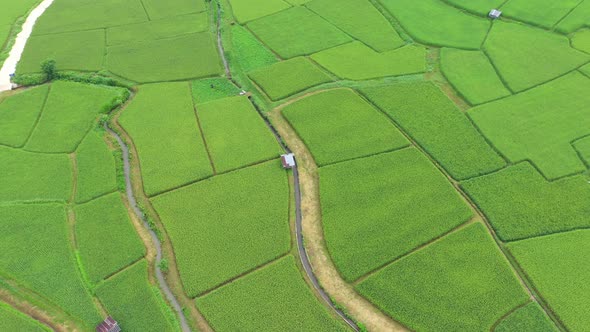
48, 67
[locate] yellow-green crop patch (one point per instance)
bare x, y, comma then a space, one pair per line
379, 208
430, 118
227, 225
247, 51
337, 125
528, 318
356, 61
540, 124
248, 10
18, 115
236, 135
278, 291
286, 78
157, 9
297, 31
557, 266
581, 40
96, 168
544, 13
162, 124
13, 320
460, 283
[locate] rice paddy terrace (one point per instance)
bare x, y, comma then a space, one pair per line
442, 177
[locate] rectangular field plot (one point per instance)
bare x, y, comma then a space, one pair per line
157, 9
136, 304
103, 221
178, 58
378, 208
247, 51
558, 267
81, 50
539, 124
286, 78
357, 61
528, 318
230, 224
47, 266
460, 283
70, 111
162, 124
18, 115
338, 125
97, 173
472, 74
360, 19
209, 89
248, 10
297, 31
520, 203
13, 320
427, 115
544, 13
279, 291
27, 176
235, 134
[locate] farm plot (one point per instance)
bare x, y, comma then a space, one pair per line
101, 221
361, 20
69, 113
136, 303
12, 320
18, 115
157, 9
357, 61
227, 225
543, 13
583, 148
179, 58
248, 10
27, 176
510, 45
47, 266
209, 89
427, 115
557, 266
96, 168
297, 31
539, 124
575, 20
278, 291
286, 78
79, 50
236, 135
369, 222
162, 124
528, 318
460, 283
520, 203
435, 23
472, 74
581, 40
337, 125
247, 51
481, 7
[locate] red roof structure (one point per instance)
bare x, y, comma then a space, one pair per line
108, 325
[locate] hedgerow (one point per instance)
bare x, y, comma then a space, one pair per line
528, 318
18, 115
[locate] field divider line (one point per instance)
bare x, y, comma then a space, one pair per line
506, 315
29, 310
200, 127
38, 119
118, 271
407, 146
554, 26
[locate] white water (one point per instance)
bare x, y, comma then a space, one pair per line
9, 66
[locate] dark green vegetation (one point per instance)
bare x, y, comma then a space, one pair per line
337, 125
460, 283
279, 291
96, 168
12, 320
528, 318
19, 114
368, 222
557, 266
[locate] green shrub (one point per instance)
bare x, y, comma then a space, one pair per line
48, 68
29, 79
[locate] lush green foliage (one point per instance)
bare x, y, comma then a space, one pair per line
36, 252
520, 203
528, 318
162, 124
297, 31
208, 89
18, 115
558, 267
460, 283
279, 292
431, 119
247, 51
27, 176
578, 18
106, 239
159, 9
472, 74
230, 223
356, 61
178, 58
12, 320
369, 222
436, 23
539, 124
129, 297
248, 10
338, 125
510, 46
285, 78
361, 20
544, 13
236, 135
96, 168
